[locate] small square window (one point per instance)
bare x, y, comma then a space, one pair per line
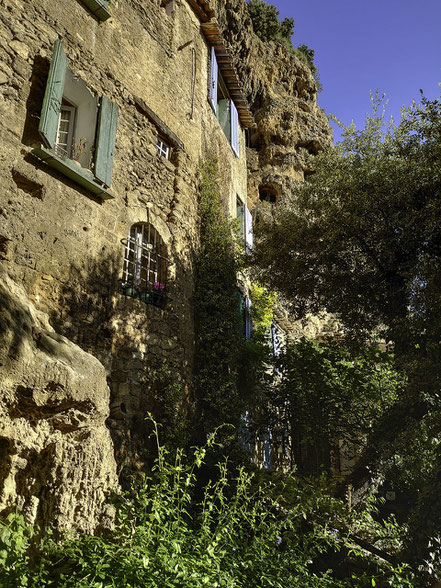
163, 148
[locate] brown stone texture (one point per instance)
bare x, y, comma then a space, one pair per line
290, 126
70, 331
57, 460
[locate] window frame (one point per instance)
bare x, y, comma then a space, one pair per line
100, 179
70, 132
217, 82
145, 265
160, 144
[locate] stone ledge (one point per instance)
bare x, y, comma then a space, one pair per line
78, 174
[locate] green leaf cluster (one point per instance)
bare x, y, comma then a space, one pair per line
361, 239
268, 27
266, 23
219, 341
328, 398
178, 528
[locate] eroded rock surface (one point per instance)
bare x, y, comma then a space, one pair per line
290, 126
56, 454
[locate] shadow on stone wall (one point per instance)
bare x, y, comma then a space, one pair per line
86, 305
138, 344
56, 456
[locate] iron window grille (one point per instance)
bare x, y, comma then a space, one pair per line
145, 265
163, 148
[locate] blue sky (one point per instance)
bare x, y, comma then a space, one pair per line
392, 45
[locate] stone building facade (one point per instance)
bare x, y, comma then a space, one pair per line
106, 112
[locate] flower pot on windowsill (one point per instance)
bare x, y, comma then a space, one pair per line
130, 290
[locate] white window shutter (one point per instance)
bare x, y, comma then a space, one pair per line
213, 80
248, 230
248, 323
234, 121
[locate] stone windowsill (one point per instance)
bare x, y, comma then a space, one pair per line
70, 169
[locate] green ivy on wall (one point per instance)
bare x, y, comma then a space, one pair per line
219, 341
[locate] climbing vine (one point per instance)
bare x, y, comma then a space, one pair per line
219, 341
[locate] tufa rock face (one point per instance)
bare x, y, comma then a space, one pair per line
56, 455
290, 127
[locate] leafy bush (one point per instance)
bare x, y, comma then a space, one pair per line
266, 23
218, 322
268, 27
229, 530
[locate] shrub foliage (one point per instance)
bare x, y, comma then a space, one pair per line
230, 530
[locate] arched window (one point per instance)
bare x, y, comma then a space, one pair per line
145, 263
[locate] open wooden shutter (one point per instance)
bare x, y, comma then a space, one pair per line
248, 230
105, 140
53, 96
213, 80
234, 121
98, 8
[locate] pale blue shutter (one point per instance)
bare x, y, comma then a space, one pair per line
53, 96
248, 230
268, 449
213, 80
105, 140
98, 8
248, 323
234, 121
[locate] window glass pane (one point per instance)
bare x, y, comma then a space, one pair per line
145, 258
63, 143
162, 148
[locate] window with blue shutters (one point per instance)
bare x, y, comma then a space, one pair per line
248, 231
222, 105
77, 128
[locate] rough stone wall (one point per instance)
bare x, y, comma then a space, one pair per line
290, 126
63, 245
57, 461
61, 248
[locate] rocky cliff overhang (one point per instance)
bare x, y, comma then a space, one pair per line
212, 33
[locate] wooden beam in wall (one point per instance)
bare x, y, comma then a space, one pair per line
225, 62
202, 9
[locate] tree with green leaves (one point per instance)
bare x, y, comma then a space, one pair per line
266, 23
361, 239
327, 398
268, 27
